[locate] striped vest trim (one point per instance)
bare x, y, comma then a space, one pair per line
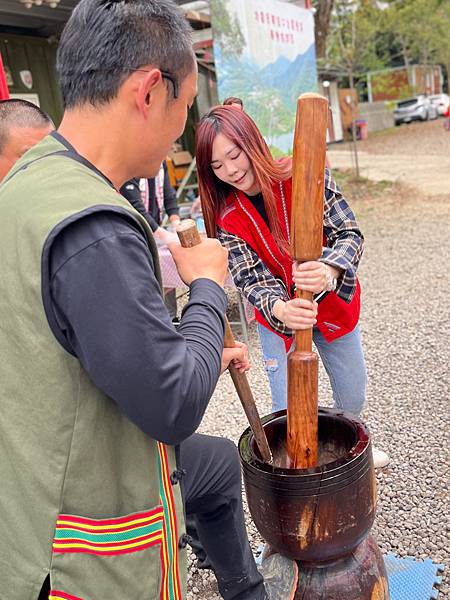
92, 536
58, 595
171, 585
133, 533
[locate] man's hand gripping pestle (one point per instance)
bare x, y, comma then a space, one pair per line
189, 237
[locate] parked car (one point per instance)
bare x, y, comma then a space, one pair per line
419, 108
441, 101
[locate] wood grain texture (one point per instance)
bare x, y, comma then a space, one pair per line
303, 337
308, 184
302, 417
189, 237
308, 169
188, 233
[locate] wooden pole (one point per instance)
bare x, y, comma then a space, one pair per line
189, 237
353, 109
308, 171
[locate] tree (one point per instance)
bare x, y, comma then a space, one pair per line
352, 43
443, 52
420, 28
227, 32
322, 18
399, 32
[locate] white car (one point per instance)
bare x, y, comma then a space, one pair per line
441, 101
418, 108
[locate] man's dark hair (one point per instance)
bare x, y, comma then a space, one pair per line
20, 113
104, 41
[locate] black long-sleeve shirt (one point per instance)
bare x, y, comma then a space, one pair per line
110, 310
130, 190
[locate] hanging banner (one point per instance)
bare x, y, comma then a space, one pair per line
264, 54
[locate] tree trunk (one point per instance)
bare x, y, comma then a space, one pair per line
354, 115
404, 53
322, 18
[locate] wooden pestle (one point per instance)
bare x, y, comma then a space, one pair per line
308, 169
189, 237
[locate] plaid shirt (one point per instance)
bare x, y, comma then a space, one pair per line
344, 250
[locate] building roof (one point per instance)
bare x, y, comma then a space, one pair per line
44, 20
40, 20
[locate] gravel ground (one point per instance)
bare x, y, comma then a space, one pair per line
405, 334
417, 154
414, 139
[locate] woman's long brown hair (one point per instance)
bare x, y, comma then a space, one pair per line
238, 127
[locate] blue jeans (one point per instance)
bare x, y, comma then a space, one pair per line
343, 360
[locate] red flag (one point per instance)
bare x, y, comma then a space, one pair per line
4, 92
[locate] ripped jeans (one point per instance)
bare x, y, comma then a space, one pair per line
343, 360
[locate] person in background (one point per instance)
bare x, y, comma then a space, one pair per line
246, 201
447, 118
22, 125
154, 198
234, 101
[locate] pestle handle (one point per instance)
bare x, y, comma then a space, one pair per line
303, 337
188, 233
308, 169
189, 237
308, 186
308, 182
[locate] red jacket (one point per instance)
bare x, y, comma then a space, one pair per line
335, 316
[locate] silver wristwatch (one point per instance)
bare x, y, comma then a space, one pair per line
331, 281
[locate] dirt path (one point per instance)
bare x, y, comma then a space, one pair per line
417, 154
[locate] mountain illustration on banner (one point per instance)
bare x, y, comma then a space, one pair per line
269, 93
264, 53
292, 78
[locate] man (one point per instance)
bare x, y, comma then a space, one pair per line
22, 125
98, 388
154, 198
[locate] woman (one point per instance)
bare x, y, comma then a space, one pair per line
246, 201
447, 118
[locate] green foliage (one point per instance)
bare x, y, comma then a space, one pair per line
277, 153
420, 28
368, 35
386, 85
227, 31
354, 26
269, 110
391, 105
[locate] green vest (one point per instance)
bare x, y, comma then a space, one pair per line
85, 495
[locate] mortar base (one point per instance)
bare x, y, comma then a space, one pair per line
359, 576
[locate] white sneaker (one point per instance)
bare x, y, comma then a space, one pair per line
380, 458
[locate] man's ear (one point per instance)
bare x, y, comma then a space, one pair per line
148, 89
